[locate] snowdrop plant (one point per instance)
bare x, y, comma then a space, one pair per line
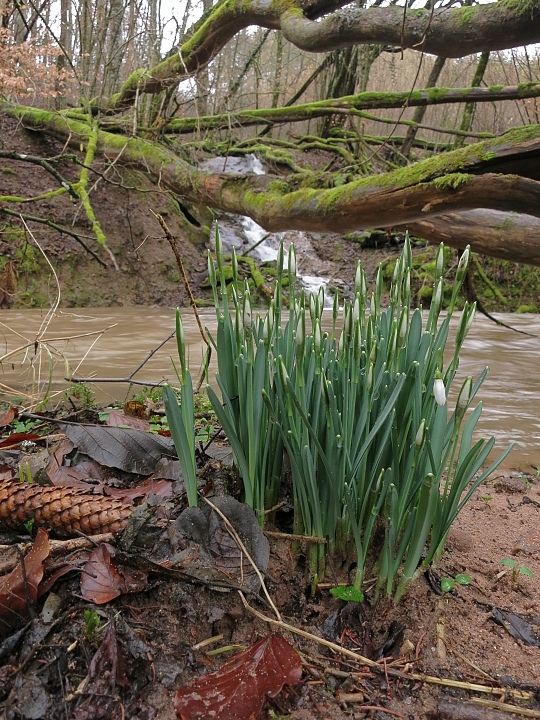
361, 412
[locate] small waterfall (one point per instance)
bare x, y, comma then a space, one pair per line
236, 231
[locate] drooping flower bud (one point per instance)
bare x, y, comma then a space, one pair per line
463, 263
439, 390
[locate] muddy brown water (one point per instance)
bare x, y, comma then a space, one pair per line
509, 394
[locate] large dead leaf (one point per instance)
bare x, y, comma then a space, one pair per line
210, 543
126, 449
238, 689
103, 579
14, 591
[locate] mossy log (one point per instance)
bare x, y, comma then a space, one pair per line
509, 236
354, 104
499, 174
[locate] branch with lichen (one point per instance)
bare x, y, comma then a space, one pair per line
54, 226
82, 185
357, 105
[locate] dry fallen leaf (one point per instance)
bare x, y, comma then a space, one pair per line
8, 417
116, 418
238, 689
15, 592
103, 579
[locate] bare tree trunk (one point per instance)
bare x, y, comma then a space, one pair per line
469, 109
278, 69
420, 111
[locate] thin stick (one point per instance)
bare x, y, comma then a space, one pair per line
180, 264
490, 690
291, 536
172, 242
129, 378
507, 708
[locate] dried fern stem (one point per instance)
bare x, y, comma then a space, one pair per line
61, 510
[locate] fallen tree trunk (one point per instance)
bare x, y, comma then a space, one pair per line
508, 236
452, 182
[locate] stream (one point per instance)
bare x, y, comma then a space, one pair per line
510, 392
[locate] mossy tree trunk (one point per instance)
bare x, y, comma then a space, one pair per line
499, 174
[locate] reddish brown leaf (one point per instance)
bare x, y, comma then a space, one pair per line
103, 580
118, 419
8, 417
162, 488
237, 690
14, 609
17, 438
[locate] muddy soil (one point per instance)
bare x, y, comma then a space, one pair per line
463, 635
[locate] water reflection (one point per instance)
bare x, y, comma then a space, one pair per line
509, 394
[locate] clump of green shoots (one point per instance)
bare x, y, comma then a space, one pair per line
357, 400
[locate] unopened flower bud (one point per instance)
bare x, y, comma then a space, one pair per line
439, 263
283, 371
292, 261
465, 393
439, 391
463, 262
356, 311
317, 336
358, 278
419, 439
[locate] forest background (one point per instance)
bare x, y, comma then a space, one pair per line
348, 139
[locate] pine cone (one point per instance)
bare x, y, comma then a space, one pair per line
61, 510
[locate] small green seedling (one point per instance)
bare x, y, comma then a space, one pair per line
24, 426
448, 584
25, 477
29, 524
348, 593
205, 433
486, 499
91, 619
516, 570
